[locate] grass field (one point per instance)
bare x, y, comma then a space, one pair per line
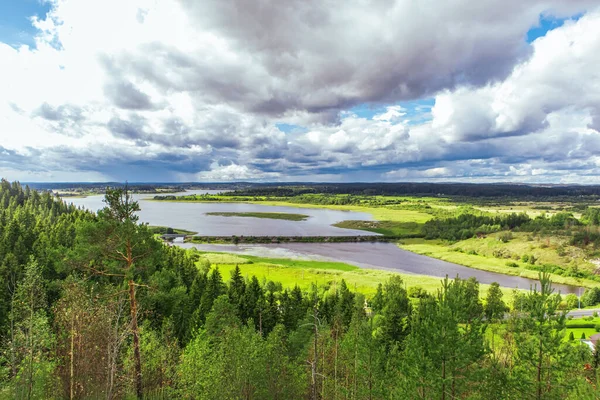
388, 228
478, 253
304, 273
379, 213
269, 215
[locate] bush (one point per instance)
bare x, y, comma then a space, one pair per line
597, 327
583, 335
571, 336
572, 300
525, 258
502, 253
595, 314
581, 325
532, 259
512, 264
506, 237
591, 297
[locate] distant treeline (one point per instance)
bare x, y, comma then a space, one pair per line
423, 189
484, 190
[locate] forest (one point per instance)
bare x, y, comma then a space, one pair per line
93, 306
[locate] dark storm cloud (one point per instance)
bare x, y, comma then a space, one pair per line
318, 56
125, 95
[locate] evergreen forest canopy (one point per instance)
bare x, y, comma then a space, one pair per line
93, 306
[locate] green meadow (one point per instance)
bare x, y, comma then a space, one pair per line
304, 273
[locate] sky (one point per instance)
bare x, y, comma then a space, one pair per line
300, 90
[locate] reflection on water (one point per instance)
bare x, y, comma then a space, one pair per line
191, 216
385, 256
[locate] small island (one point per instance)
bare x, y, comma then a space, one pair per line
270, 215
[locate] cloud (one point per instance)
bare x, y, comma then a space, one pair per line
189, 90
234, 172
561, 74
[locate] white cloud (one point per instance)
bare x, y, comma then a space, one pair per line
234, 172
143, 89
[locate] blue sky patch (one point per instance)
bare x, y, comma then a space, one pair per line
15, 24
548, 23
417, 111
291, 128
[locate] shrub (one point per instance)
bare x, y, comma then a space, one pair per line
581, 325
597, 327
572, 300
595, 314
512, 264
532, 259
583, 335
591, 297
571, 336
525, 258
506, 237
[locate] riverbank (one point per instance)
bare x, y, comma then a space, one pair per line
290, 239
304, 273
471, 258
407, 223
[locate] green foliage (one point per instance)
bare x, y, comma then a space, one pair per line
467, 225
591, 297
494, 305
67, 328
417, 292
572, 300
541, 354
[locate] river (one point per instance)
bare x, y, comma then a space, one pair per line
385, 256
192, 217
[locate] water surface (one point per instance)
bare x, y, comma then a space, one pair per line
384, 256
192, 216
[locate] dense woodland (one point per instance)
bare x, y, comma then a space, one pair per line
489, 190
93, 306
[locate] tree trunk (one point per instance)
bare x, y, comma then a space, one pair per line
443, 379
539, 370
136, 341
71, 357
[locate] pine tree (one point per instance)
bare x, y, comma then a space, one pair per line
237, 289
117, 247
494, 305
543, 361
